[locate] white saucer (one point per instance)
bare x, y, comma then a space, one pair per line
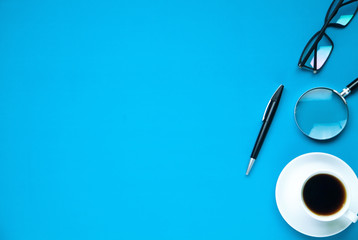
288, 193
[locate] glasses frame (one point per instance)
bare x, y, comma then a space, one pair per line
321, 33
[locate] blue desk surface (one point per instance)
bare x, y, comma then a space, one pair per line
136, 119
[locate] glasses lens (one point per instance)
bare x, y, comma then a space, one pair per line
321, 113
309, 50
317, 55
345, 13
324, 49
331, 9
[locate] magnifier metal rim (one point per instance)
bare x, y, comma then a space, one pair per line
330, 89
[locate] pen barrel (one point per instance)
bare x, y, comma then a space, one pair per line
260, 140
263, 131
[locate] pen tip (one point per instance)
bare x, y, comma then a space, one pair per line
252, 160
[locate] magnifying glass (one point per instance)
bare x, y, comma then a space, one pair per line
322, 113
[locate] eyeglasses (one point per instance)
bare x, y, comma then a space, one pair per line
320, 46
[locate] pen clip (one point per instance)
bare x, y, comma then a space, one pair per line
264, 116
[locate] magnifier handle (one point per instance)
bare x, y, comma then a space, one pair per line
350, 88
353, 85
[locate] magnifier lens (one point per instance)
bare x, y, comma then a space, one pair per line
321, 113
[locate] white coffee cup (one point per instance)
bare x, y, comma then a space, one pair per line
343, 212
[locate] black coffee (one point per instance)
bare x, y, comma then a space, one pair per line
324, 194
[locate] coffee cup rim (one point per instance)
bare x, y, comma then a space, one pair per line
336, 215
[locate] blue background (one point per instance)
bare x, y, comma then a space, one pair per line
136, 119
